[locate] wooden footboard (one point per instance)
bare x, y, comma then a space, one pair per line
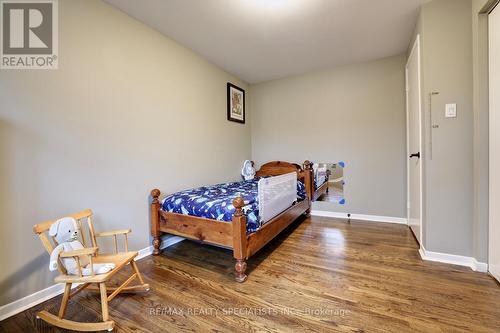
191, 227
231, 235
197, 228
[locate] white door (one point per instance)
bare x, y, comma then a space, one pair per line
413, 106
494, 228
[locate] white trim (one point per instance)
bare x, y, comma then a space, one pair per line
168, 241
479, 266
453, 259
29, 301
43, 295
494, 103
361, 217
416, 45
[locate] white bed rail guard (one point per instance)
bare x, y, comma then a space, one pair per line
276, 194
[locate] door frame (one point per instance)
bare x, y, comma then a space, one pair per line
489, 9
416, 47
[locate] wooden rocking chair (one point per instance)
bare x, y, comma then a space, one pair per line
119, 259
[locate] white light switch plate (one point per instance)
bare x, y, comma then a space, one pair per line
451, 111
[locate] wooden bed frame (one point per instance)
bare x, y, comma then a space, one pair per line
233, 235
320, 190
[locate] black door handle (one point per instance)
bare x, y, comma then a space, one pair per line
417, 155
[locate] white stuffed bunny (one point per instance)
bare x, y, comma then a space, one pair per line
65, 231
248, 171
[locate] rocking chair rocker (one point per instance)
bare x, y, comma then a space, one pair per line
85, 282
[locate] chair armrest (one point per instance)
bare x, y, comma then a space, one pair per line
113, 233
76, 253
89, 251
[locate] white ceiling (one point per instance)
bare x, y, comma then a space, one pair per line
260, 40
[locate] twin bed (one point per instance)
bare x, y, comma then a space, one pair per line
242, 216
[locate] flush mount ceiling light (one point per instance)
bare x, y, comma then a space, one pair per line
274, 6
271, 4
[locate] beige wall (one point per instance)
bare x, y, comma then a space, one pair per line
354, 114
127, 110
454, 63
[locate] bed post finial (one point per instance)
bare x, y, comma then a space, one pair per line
155, 221
155, 194
238, 203
307, 165
239, 239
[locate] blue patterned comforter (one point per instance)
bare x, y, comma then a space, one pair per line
216, 202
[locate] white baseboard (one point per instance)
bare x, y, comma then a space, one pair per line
27, 302
453, 259
165, 242
374, 218
479, 266
43, 295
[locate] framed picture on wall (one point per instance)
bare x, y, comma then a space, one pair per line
235, 103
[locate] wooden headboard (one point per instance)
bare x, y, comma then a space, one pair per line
276, 168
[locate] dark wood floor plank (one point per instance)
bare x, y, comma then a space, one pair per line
321, 275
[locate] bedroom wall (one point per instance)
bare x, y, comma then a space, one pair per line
354, 114
455, 176
127, 110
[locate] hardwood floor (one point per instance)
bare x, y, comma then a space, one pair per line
335, 193
323, 275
